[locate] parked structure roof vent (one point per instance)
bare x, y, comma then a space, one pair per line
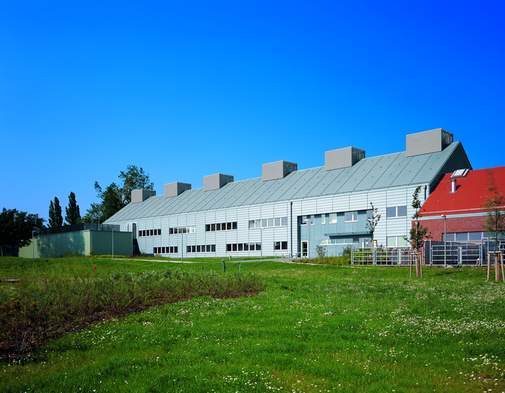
142, 195
342, 158
425, 142
277, 170
215, 182
175, 189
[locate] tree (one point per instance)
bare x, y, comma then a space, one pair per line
373, 220
417, 233
55, 218
73, 215
16, 228
494, 207
115, 197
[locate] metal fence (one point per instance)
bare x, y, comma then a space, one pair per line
454, 254
377, 256
460, 253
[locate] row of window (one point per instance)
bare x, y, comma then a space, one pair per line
397, 241
225, 226
468, 236
348, 217
178, 230
203, 248
150, 232
332, 242
268, 222
243, 247
165, 250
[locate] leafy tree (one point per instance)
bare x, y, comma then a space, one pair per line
55, 218
494, 206
417, 233
16, 228
73, 215
320, 251
372, 221
117, 196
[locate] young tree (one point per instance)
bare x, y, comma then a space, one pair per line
16, 228
417, 233
373, 220
55, 218
494, 207
115, 197
73, 215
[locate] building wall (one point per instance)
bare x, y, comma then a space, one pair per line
457, 223
293, 233
82, 242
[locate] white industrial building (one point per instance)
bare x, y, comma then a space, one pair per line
290, 211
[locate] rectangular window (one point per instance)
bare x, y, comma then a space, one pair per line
264, 223
397, 211
312, 220
277, 222
258, 246
270, 222
246, 246
212, 227
154, 250
251, 246
284, 221
258, 223
333, 218
396, 241
228, 247
188, 249
323, 219
240, 247
304, 220
475, 236
198, 249
213, 248
277, 246
218, 227
176, 250
284, 245
351, 216
151, 233
234, 225
461, 237
234, 246
251, 224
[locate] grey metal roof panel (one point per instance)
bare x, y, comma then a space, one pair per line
359, 174
263, 187
391, 172
372, 177
337, 183
369, 173
296, 186
317, 175
253, 186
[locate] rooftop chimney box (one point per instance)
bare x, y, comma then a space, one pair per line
141, 195
342, 158
217, 181
175, 189
426, 142
277, 170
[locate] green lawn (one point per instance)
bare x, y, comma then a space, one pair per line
313, 329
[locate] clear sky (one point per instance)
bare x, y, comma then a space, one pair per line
191, 88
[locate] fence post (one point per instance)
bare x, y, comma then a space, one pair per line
352, 256
460, 256
374, 256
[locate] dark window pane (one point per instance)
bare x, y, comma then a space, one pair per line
240, 247
213, 248
212, 227
251, 246
218, 227
402, 211
246, 246
284, 245
258, 246
277, 245
228, 247
234, 225
234, 247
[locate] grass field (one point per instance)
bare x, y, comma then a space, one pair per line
313, 329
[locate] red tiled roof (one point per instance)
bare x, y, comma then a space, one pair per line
470, 195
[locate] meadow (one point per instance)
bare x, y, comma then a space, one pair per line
311, 328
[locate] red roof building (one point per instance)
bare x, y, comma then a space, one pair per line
456, 206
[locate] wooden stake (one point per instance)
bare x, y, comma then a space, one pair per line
502, 272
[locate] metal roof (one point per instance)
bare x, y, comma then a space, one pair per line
374, 173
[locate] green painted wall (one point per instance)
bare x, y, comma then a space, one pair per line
52, 246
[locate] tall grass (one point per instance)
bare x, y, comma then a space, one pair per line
39, 309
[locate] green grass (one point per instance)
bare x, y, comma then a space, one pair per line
314, 328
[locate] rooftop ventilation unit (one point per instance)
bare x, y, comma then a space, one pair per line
342, 158
142, 195
277, 170
175, 189
426, 142
215, 182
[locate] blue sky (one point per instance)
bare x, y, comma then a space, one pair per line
193, 88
